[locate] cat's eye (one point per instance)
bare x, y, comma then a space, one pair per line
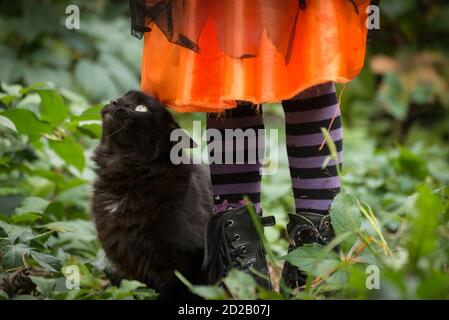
141, 108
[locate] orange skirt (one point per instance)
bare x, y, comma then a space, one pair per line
239, 57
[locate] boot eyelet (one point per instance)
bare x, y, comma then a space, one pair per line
229, 223
250, 264
236, 236
243, 249
325, 239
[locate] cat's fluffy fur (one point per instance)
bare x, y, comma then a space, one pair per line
150, 214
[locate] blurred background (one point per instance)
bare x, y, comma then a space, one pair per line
396, 122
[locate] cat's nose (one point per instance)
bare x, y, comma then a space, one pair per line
105, 110
109, 107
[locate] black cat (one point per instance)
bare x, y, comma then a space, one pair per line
150, 214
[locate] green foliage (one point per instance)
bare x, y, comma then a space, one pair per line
100, 60
313, 259
392, 212
346, 219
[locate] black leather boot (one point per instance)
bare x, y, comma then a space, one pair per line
303, 228
232, 242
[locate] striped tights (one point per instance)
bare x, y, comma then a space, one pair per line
314, 188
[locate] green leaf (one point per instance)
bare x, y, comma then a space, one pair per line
3, 295
75, 236
206, 292
37, 86
411, 164
434, 286
345, 217
13, 255
52, 107
6, 99
41, 236
27, 122
82, 229
131, 285
241, 285
424, 211
146, 294
12, 93
7, 123
33, 204
330, 143
121, 74
92, 130
56, 209
31, 210
95, 80
209, 292
47, 261
13, 89
129, 289
25, 217
43, 285
14, 232
269, 295
313, 259
81, 294
70, 151
92, 113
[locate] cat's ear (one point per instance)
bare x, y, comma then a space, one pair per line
131, 92
173, 125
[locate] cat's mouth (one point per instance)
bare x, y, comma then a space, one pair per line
114, 119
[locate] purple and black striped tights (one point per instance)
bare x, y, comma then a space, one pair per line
314, 188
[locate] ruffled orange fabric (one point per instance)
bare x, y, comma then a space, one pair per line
329, 45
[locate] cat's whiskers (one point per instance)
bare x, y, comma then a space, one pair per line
115, 132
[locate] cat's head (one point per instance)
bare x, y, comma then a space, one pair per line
137, 125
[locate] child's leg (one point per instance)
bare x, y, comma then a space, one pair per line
314, 188
231, 237
231, 182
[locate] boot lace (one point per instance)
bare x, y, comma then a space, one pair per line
220, 253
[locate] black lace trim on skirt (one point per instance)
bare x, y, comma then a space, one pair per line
173, 18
